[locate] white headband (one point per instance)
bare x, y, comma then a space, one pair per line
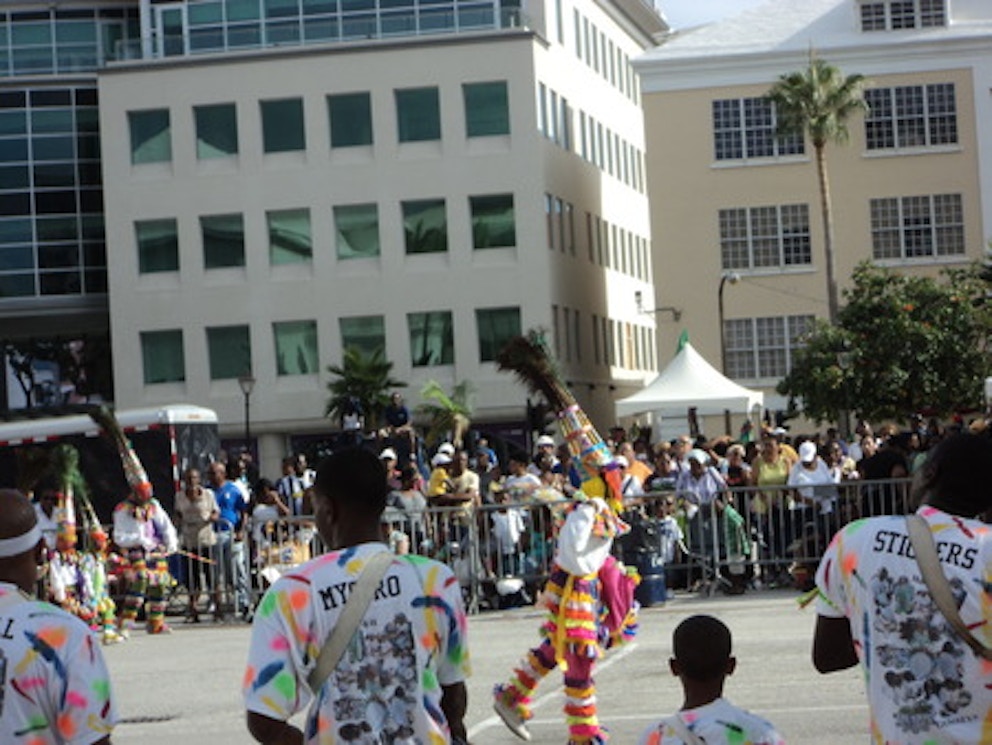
19, 544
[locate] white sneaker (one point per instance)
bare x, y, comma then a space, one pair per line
510, 715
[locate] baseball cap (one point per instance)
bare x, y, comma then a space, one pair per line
441, 459
447, 448
807, 452
387, 454
698, 455
545, 440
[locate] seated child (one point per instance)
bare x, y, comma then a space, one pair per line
702, 661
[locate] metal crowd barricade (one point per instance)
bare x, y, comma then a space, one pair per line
502, 553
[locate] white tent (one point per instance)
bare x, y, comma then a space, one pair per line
689, 380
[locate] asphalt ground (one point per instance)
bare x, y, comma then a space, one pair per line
185, 688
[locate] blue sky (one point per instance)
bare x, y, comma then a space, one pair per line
685, 13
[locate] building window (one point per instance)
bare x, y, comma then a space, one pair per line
289, 236
223, 241
364, 333
158, 245
759, 237
282, 126
296, 347
922, 227
351, 119
229, 351
487, 109
356, 230
911, 116
493, 223
151, 141
425, 226
162, 356
216, 131
763, 347
432, 338
745, 128
418, 114
902, 14
496, 326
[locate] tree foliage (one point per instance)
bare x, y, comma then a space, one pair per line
817, 102
902, 345
365, 377
448, 413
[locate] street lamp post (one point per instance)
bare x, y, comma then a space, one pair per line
733, 278
247, 384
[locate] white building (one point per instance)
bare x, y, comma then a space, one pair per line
283, 181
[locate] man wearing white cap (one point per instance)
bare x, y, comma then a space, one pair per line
388, 458
815, 487
54, 683
544, 449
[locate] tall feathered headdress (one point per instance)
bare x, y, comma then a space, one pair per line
529, 358
137, 479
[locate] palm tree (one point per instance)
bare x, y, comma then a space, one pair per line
365, 377
448, 413
817, 102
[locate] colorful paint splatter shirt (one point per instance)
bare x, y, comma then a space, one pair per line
387, 686
925, 685
54, 684
717, 723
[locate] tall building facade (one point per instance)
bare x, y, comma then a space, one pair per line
54, 324
285, 179
735, 208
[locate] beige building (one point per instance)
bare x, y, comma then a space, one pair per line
735, 209
427, 185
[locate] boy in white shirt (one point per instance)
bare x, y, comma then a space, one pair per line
702, 661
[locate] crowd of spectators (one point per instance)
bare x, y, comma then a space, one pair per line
745, 510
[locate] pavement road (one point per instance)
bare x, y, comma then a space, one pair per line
185, 688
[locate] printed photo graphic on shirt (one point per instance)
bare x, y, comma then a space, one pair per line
376, 683
923, 676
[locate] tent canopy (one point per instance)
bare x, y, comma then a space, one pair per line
689, 380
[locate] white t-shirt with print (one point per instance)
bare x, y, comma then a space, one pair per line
924, 684
54, 683
387, 686
717, 723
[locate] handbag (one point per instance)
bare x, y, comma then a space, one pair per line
354, 609
926, 557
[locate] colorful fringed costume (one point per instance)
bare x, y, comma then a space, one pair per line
145, 533
589, 594
78, 578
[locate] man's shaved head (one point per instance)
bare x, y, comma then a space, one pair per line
702, 647
17, 514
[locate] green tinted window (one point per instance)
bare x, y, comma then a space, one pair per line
351, 119
418, 114
223, 241
365, 333
356, 230
487, 109
229, 349
162, 356
425, 226
289, 236
493, 223
158, 246
216, 131
296, 347
282, 126
150, 138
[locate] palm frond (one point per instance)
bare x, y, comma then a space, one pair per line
529, 359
